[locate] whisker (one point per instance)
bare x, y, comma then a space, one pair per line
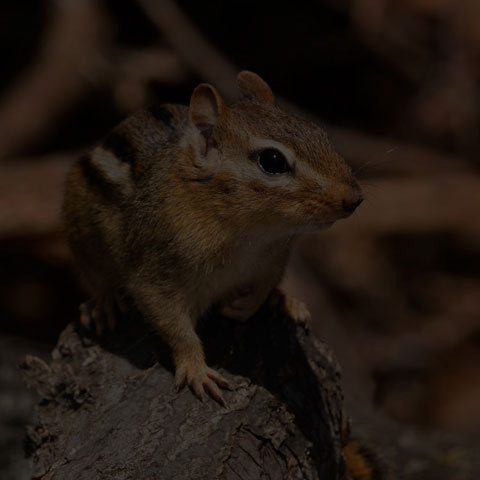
372, 163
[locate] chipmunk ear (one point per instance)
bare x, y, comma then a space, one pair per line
206, 105
254, 87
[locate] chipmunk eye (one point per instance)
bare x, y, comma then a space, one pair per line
273, 162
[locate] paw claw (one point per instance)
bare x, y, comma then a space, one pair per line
202, 380
219, 379
214, 392
180, 380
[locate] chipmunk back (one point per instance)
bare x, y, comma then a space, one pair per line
185, 209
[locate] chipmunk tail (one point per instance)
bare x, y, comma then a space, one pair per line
363, 463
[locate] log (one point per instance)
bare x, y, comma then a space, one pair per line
109, 409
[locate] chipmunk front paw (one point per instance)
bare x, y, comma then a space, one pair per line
297, 310
293, 307
101, 312
202, 379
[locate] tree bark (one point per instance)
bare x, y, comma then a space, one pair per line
109, 409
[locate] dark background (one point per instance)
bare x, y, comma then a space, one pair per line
395, 289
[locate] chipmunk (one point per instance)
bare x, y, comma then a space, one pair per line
185, 209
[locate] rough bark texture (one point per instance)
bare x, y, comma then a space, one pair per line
109, 410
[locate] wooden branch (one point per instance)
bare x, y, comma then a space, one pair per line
111, 408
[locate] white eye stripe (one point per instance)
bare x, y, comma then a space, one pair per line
313, 174
264, 143
258, 143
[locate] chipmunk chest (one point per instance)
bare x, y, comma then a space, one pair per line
243, 267
238, 268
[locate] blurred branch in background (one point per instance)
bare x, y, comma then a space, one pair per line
136, 69
35, 187
76, 53
192, 46
402, 34
36, 101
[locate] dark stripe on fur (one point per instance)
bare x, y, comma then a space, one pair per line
121, 147
205, 179
162, 115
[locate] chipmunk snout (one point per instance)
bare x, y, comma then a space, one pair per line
351, 201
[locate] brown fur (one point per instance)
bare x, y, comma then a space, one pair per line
173, 209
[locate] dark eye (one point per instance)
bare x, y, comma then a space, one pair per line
273, 162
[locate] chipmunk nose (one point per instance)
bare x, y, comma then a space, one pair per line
351, 201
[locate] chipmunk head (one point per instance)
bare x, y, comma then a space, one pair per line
266, 164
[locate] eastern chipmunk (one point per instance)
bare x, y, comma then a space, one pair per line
184, 209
